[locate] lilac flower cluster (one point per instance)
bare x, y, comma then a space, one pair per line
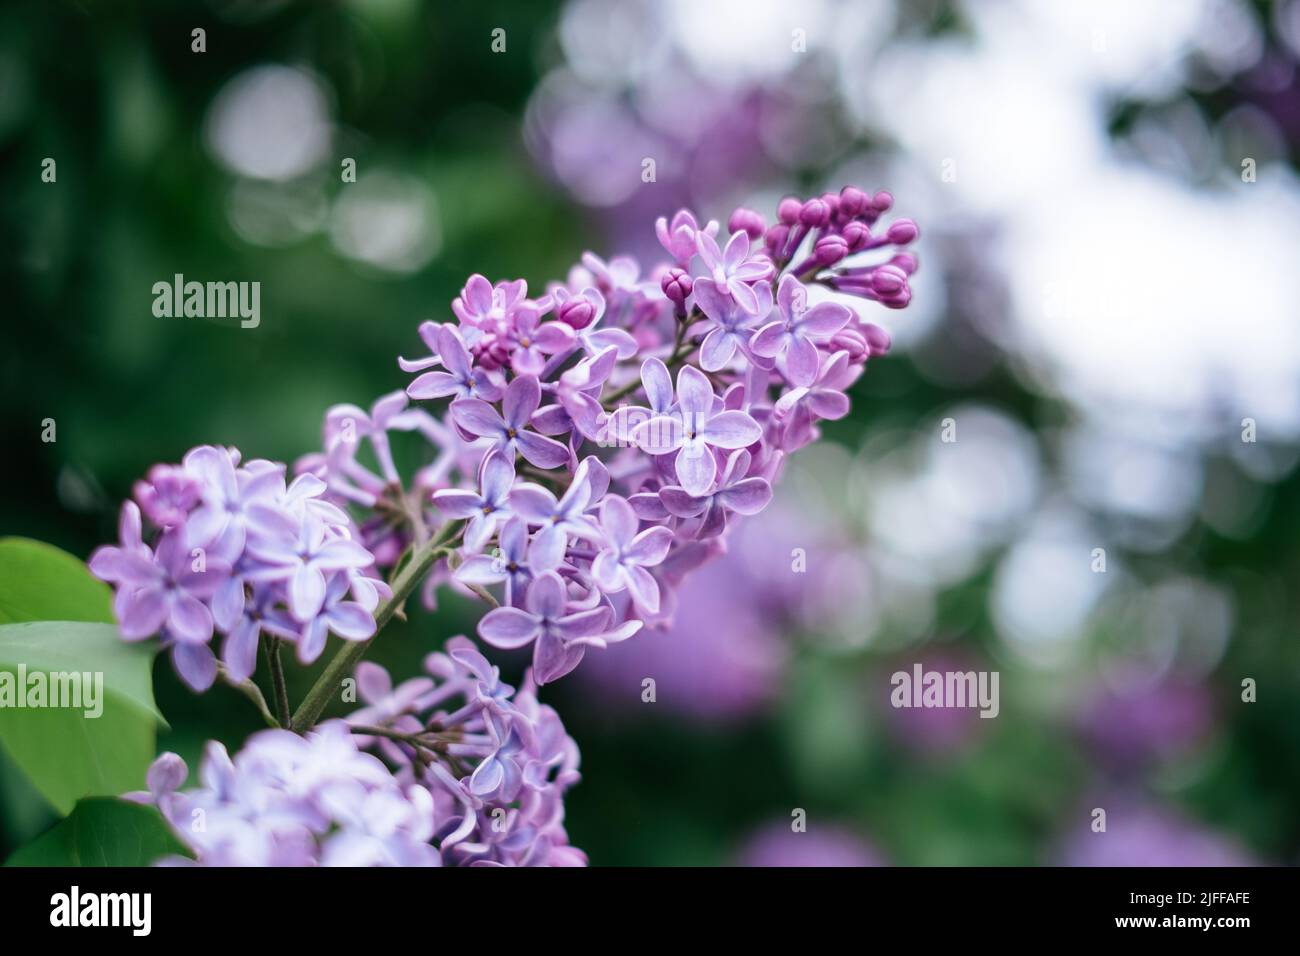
290, 800
237, 551
597, 443
599, 437
496, 761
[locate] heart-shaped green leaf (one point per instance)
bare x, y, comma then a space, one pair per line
101, 745
102, 832
38, 582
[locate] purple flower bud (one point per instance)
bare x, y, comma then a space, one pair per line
904, 260
814, 213
830, 250
577, 313
878, 340
788, 210
677, 285
775, 239
748, 221
882, 201
902, 232
888, 280
832, 201
853, 202
857, 235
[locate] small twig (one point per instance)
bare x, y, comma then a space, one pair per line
281, 689
252, 692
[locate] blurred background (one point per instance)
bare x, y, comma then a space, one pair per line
1106, 309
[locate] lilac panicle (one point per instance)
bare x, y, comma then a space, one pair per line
585, 450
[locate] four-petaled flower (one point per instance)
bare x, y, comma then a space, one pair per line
796, 333
735, 492
460, 379
622, 562
561, 636
732, 270
559, 518
730, 326
486, 508
507, 428
694, 429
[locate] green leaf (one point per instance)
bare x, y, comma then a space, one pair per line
67, 754
38, 582
102, 832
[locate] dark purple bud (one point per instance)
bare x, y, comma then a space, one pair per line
788, 210
830, 250
748, 221
857, 235
878, 340
832, 202
677, 285
577, 313
775, 239
814, 213
898, 301
905, 261
888, 281
853, 202
902, 232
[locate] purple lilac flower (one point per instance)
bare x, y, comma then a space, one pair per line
558, 518
460, 379
290, 800
737, 491
507, 427
796, 334
732, 271
621, 564
730, 326
484, 508
695, 430
559, 631
296, 556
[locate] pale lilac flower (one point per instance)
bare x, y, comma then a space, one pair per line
695, 430
301, 553
221, 522
510, 564
508, 427
163, 590
732, 271
735, 492
460, 379
559, 518
485, 508
531, 340
679, 237
796, 334
621, 564
800, 408
348, 619
730, 325
560, 636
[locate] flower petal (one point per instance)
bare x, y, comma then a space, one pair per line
508, 627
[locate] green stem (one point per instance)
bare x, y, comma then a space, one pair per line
345, 659
277, 680
253, 693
